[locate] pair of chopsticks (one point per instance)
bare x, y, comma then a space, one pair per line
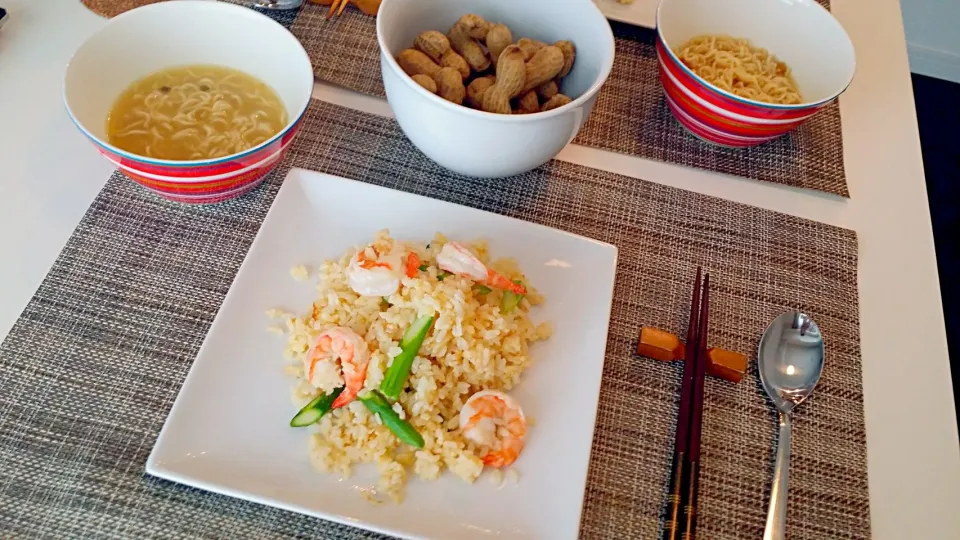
685, 474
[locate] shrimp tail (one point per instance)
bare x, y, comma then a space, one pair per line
353, 382
499, 281
345, 397
506, 455
493, 460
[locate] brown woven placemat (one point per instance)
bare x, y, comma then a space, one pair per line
89, 371
344, 49
630, 117
112, 8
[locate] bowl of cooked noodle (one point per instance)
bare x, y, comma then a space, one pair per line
743, 72
195, 101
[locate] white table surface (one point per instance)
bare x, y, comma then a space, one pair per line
49, 175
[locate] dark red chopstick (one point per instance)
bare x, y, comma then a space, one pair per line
682, 433
696, 418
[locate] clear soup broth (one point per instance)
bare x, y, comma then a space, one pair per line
195, 112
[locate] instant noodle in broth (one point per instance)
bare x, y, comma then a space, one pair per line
194, 112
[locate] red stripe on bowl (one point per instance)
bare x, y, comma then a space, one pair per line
714, 96
201, 188
200, 170
718, 122
209, 199
711, 135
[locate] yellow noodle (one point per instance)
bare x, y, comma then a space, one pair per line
195, 112
734, 65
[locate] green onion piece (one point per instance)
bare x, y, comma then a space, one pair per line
442, 275
423, 267
378, 404
398, 372
482, 289
510, 299
314, 411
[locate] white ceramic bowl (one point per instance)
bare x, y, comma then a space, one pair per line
481, 144
167, 34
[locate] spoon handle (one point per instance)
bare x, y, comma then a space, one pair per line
777, 512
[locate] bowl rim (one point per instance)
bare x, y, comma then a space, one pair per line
753, 102
294, 118
506, 118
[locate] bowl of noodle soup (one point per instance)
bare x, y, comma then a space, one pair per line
743, 72
195, 101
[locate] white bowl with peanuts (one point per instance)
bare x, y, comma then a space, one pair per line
492, 88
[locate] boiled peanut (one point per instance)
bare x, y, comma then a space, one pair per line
453, 60
530, 47
413, 62
569, 55
511, 74
528, 103
433, 44
426, 82
548, 89
443, 64
498, 38
558, 100
475, 26
544, 66
476, 89
450, 85
468, 48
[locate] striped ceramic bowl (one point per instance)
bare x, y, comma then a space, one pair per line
177, 33
800, 33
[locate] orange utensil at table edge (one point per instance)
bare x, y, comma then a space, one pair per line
370, 7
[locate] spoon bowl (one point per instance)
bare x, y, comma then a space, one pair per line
790, 361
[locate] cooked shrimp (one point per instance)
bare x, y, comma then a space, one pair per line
339, 357
494, 420
372, 273
457, 259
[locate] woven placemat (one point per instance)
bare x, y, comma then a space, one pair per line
89, 371
630, 117
343, 50
112, 8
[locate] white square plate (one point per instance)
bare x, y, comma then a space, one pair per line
639, 13
228, 430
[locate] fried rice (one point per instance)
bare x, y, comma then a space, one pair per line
472, 346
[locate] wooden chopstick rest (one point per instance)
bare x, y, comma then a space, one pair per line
666, 347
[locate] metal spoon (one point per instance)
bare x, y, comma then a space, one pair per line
790, 360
